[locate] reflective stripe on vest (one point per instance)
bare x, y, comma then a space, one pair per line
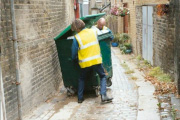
89, 52
90, 58
87, 45
79, 39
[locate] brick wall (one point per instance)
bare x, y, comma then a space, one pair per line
120, 21
135, 23
120, 25
139, 30
176, 6
159, 39
131, 20
163, 39
112, 23
143, 2
163, 32
7, 61
132, 24
38, 22
135, 40
170, 41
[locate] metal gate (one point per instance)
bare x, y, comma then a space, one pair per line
147, 32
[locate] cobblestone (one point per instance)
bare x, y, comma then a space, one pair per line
123, 107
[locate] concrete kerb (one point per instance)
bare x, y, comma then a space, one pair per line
147, 102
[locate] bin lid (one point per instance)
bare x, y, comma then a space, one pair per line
89, 20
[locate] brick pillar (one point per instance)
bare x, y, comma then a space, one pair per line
139, 29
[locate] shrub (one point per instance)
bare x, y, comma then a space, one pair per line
158, 73
124, 37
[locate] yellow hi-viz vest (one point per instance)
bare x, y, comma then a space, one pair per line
89, 53
104, 27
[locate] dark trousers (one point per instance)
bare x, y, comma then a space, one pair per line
84, 71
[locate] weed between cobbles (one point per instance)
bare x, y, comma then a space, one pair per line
158, 73
128, 71
134, 78
173, 113
162, 82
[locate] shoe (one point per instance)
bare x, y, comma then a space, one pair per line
80, 100
105, 98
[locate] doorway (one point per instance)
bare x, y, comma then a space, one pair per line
147, 33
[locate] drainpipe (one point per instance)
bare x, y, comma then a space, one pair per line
16, 59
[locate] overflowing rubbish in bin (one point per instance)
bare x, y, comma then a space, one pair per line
70, 70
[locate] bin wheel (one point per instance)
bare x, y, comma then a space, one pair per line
109, 82
97, 91
70, 91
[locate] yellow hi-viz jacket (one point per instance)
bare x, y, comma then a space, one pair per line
89, 53
104, 27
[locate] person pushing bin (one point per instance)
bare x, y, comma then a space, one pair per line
101, 26
101, 29
86, 46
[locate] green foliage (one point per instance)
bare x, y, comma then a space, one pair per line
125, 66
164, 77
128, 45
155, 71
124, 46
129, 71
173, 113
134, 78
146, 62
124, 37
139, 57
124, 49
116, 38
159, 105
121, 38
158, 73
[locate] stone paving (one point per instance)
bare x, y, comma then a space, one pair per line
169, 106
123, 107
165, 107
147, 101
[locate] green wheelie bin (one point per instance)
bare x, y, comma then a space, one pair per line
71, 70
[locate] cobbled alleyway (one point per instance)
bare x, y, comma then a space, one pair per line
123, 107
